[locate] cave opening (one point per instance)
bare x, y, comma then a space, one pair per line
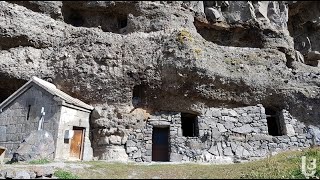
74, 18
122, 22
138, 94
107, 21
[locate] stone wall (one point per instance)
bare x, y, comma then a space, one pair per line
225, 135
14, 125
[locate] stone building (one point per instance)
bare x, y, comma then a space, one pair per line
38, 104
214, 135
218, 135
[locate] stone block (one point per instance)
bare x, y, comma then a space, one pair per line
290, 130
124, 139
227, 151
207, 157
148, 146
233, 113
244, 114
185, 158
174, 157
243, 129
261, 152
229, 125
148, 153
221, 128
139, 136
211, 121
203, 126
239, 150
216, 113
223, 145
245, 119
131, 143
259, 137
208, 113
215, 134
293, 139
214, 150
224, 112
131, 149
246, 153
273, 145
137, 154
147, 158
229, 119
21, 174
236, 138
283, 146
256, 118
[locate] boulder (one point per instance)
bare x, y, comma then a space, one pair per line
38, 145
22, 175
314, 134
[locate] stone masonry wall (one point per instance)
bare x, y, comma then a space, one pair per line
14, 126
69, 118
225, 135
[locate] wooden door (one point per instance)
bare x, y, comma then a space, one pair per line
160, 144
76, 143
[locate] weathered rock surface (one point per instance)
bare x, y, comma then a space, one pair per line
28, 173
38, 145
186, 55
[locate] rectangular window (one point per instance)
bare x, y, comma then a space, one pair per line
28, 115
189, 125
275, 124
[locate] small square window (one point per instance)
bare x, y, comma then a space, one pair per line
189, 125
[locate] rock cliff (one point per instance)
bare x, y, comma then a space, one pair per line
178, 55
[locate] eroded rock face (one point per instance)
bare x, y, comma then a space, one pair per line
186, 55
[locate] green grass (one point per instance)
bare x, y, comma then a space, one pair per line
40, 161
285, 165
184, 35
62, 174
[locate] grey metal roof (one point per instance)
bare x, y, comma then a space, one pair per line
49, 87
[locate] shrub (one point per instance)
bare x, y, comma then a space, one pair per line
39, 161
61, 174
183, 36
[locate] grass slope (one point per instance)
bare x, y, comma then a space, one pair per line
283, 165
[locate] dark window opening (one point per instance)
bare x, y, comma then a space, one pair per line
275, 125
76, 20
28, 114
122, 22
72, 16
189, 125
138, 94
